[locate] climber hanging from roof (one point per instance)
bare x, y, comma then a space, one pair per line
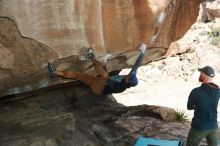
103, 83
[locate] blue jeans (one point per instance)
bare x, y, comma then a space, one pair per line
134, 69
137, 64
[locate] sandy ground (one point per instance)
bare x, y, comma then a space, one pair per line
169, 93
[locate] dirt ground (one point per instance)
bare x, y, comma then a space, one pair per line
169, 93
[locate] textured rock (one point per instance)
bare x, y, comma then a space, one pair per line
108, 25
209, 11
22, 60
195, 50
73, 116
61, 28
166, 113
213, 8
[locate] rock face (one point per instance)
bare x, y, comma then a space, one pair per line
107, 25
36, 32
73, 116
209, 11
22, 60
33, 33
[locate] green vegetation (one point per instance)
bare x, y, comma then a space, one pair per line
180, 116
215, 36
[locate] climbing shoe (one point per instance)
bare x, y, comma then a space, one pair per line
51, 70
142, 47
90, 53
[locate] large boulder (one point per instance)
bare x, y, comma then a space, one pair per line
36, 32
73, 116
108, 25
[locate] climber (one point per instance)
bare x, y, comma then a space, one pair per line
103, 84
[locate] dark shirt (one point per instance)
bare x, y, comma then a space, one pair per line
204, 101
114, 85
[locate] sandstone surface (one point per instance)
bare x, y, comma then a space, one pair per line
34, 33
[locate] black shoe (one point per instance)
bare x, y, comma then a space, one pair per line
51, 70
90, 54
